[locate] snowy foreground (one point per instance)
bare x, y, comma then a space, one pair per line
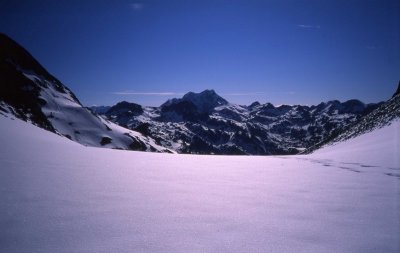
58, 196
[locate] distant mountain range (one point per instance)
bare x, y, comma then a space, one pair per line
204, 123
198, 123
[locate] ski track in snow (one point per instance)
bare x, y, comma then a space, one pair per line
353, 167
59, 196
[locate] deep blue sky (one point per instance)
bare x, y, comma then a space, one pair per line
284, 52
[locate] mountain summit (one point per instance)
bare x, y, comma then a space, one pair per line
203, 102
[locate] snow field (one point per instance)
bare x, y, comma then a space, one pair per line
59, 196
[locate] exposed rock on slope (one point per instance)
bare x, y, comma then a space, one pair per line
29, 92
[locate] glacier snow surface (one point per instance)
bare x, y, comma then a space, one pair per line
59, 196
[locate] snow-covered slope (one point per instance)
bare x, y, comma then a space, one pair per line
381, 146
59, 196
77, 123
29, 92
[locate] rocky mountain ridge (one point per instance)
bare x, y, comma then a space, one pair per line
205, 123
382, 116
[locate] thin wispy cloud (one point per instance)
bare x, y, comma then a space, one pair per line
244, 94
137, 6
135, 93
259, 93
309, 26
147, 93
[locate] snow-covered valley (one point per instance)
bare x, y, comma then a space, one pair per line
59, 196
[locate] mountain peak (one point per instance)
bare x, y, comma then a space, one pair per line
205, 101
125, 107
209, 92
254, 104
204, 93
